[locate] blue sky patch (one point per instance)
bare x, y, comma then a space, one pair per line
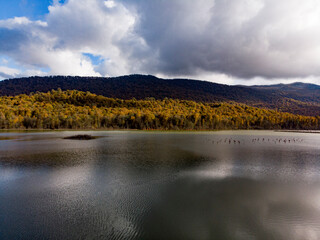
32, 9
95, 59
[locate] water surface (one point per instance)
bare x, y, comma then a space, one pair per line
160, 185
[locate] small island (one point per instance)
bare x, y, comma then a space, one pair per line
81, 137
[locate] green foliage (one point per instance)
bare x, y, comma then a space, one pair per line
84, 110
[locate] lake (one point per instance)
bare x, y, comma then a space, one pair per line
160, 185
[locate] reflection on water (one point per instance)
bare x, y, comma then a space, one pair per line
154, 185
234, 208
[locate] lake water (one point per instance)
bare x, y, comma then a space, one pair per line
160, 185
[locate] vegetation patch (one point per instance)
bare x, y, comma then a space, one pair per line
83, 110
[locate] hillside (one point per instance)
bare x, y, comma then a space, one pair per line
297, 98
84, 110
305, 92
134, 86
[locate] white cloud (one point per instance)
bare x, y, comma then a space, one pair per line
10, 72
7, 72
94, 27
109, 4
17, 22
70, 29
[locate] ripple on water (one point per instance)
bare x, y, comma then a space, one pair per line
160, 186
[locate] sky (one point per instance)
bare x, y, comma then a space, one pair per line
226, 41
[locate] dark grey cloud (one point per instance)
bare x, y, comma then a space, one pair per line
245, 38
11, 39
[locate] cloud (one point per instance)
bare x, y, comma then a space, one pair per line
69, 30
96, 27
245, 39
6, 72
31, 45
11, 72
233, 41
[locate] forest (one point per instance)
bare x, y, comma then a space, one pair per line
296, 98
74, 109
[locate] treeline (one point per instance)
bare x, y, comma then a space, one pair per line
84, 110
136, 86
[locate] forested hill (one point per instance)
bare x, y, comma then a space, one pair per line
298, 99
134, 86
83, 110
298, 91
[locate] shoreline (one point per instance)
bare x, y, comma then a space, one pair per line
154, 130
299, 131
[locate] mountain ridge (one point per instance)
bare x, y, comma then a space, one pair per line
297, 98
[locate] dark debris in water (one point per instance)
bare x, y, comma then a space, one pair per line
81, 137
